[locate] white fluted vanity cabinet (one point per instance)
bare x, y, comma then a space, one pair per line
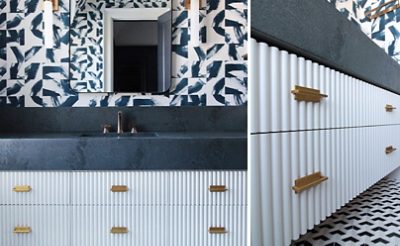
105, 208
318, 139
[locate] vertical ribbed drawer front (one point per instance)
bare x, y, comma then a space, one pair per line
46, 188
353, 159
49, 225
91, 225
159, 188
193, 188
94, 188
350, 102
158, 225
189, 225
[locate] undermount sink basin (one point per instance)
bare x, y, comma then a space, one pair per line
125, 134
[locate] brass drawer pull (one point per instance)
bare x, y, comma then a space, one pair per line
389, 149
217, 188
389, 108
306, 182
307, 94
217, 230
119, 230
119, 188
22, 188
22, 229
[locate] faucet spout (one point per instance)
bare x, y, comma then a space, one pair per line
119, 126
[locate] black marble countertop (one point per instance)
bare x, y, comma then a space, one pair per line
143, 151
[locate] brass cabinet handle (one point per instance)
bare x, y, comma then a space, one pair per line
217, 230
306, 182
217, 188
307, 94
119, 230
119, 188
389, 149
22, 229
389, 108
22, 188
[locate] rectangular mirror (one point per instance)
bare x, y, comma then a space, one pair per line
127, 50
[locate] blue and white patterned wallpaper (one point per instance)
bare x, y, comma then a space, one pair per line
212, 74
384, 30
87, 40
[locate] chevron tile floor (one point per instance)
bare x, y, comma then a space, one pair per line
372, 218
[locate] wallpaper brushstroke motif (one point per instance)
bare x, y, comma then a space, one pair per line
384, 30
87, 40
212, 74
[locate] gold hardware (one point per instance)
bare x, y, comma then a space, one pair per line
308, 181
217, 188
22, 229
22, 188
119, 188
217, 230
389, 108
389, 149
56, 6
380, 6
187, 4
378, 14
119, 230
307, 94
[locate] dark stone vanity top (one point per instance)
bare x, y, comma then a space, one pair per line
116, 137
317, 31
162, 151
169, 138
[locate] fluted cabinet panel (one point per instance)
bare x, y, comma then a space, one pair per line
150, 207
353, 159
350, 102
45, 188
159, 188
158, 225
49, 225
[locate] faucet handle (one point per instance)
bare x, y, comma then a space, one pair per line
133, 127
106, 128
134, 130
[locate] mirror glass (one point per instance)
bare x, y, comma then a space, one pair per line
127, 50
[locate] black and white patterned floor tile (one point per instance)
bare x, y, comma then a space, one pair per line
372, 218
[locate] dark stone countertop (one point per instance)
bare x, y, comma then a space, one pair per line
317, 31
146, 151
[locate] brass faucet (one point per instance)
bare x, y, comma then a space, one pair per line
119, 126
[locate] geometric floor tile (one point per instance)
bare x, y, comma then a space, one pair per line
372, 218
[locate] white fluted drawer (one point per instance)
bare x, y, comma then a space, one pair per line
352, 159
159, 188
43, 188
158, 225
49, 225
350, 102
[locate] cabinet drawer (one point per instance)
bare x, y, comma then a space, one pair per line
280, 107
158, 225
34, 226
159, 188
34, 188
352, 160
